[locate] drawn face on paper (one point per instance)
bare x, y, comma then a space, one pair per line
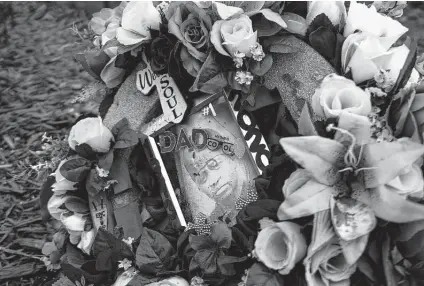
216, 170
218, 176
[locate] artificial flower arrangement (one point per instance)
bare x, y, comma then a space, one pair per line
341, 201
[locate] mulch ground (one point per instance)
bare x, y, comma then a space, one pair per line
38, 80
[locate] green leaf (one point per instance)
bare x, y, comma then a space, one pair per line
210, 78
73, 273
273, 17
76, 205
206, 260
94, 183
262, 67
104, 260
284, 44
105, 241
264, 27
262, 97
106, 160
199, 242
247, 6
405, 231
75, 169
93, 62
105, 104
225, 264
295, 24
221, 235
154, 253
405, 72
260, 275
215, 84
126, 138
306, 125
45, 194
191, 64
119, 171
324, 40
119, 127
74, 256
389, 270
85, 151
63, 281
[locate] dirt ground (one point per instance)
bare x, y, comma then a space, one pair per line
38, 80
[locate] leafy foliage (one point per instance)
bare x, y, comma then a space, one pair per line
108, 250
154, 253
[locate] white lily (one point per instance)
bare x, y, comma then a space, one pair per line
349, 180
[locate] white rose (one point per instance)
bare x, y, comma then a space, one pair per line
173, 281
62, 184
91, 131
54, 204
365, 55
367, 19
87, 239
105, 22
334, 10
138, 17
409, 183
235, 35
75, 222
337, 94
280, 246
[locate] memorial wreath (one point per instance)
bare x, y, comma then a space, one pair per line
330, 95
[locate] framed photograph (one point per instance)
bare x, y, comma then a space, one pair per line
207, 164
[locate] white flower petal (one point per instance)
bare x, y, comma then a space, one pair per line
334, 10
75, 222
129, 38
225, 11
87, 239
139, 15
53, 206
